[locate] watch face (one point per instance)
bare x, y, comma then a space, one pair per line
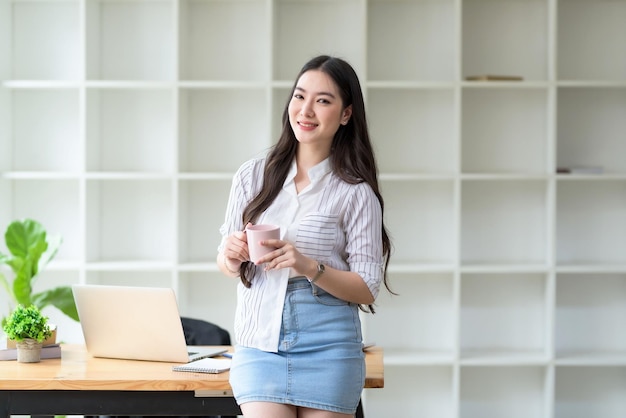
320, 270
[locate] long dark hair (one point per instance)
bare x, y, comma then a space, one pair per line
351, 156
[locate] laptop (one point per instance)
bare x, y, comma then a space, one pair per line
135, 323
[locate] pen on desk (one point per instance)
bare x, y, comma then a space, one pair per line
229, 355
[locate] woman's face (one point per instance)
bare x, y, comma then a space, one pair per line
316, 109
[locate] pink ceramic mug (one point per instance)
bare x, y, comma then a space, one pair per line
258, 233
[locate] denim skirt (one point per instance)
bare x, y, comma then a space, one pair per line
320, 362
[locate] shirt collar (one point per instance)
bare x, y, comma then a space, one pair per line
316, 173
292, 173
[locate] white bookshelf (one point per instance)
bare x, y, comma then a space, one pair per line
123, 121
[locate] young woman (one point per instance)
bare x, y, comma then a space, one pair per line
299, 345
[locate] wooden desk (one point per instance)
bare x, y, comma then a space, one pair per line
78, 384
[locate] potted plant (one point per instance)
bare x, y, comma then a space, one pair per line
28, 328
31, 249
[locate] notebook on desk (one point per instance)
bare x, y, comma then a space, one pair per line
135, 323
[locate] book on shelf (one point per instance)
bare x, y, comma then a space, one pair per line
47, 351
491, 77
580, 170
205, 365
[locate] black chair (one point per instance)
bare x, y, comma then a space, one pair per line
359, 410
199, 332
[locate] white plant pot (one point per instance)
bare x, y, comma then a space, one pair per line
28, 351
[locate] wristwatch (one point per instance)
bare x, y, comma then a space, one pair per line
320, 270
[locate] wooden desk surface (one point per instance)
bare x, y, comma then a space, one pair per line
77, 370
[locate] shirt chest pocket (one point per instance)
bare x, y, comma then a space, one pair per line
317, 235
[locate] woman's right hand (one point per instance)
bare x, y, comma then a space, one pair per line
236, 249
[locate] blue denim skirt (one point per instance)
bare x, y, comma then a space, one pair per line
320, 362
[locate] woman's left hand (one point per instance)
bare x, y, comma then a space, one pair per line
286, 256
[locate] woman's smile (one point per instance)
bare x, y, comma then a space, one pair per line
307, 126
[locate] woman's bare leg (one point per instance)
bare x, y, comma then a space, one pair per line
268, 410
318, 413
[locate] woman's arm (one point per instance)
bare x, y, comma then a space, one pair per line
233, 250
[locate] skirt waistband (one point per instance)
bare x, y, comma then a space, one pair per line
298, 282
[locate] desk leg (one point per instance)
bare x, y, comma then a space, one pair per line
4, 405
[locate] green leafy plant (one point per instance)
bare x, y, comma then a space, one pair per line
26, 323
31, 249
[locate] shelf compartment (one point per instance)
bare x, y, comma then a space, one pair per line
430, 310
130, 130
422, 125
46, 32
338, 26
591, 126
201, 211
504, 130
214, 46
44, 122
420, 217
582, 392
597, 53
56, 205
416, 391
130, 221
125, 39
209, 296
503, 318
504, 222
503, 392
222, 128
411, 40
589, 323
591, 222
505, 38
417, 357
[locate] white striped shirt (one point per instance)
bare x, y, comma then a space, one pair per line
331, 221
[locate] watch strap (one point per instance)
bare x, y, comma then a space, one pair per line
320, 270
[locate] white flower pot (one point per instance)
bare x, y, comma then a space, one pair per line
28, 351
